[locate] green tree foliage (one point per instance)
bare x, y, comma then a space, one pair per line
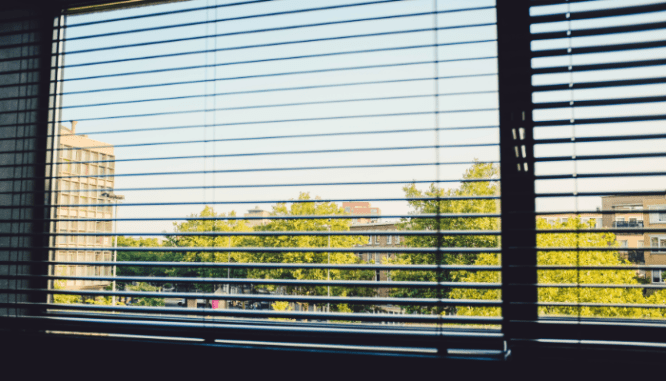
142, 286
281, 306
474, 186
140, 256
339, 224
293, 209
77, 299
144, 256
570, 276
63, 298
209, 225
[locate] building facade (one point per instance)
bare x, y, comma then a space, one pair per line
379, 242
367, 214
640, 213
584, 218
85, 172
256, 212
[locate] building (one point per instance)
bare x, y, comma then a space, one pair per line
85, 172
379, 242
584, 218
640, 213
370, 214
256, 212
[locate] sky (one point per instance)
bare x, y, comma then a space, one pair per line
261, 135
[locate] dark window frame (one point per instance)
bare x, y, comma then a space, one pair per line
521, 326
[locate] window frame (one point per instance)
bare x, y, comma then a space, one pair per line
658, 214
660, 239
657, 276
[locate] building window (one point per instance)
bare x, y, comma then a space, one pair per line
624, 243
656, 276
389, 240
660, 243
641, 243
660, 216
564, 220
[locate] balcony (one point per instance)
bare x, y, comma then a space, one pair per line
627, 224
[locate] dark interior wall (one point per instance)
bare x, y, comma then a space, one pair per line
19, 101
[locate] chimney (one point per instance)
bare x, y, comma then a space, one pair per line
74, 126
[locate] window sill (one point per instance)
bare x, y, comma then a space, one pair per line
158, 358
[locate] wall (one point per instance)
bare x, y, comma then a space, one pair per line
19, 115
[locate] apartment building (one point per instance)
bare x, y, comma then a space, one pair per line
367, 213
640, 213
379, 242
85, 172
584, 218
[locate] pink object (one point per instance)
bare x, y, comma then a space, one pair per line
215, 304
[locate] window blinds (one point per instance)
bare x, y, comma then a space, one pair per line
598, 110
329, 173
220, 165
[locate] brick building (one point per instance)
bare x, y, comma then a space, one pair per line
379, 242
369, 214
640, 213
85, 172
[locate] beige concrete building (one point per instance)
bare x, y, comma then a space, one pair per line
85, 172
256, 212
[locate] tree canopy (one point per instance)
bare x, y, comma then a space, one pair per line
257, 241
208, 223
612, 295
476, 184
336, 241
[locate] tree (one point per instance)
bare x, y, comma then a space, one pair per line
341, 241
474, 186
141, 256
294, 209
59, 284
568, 294
143, 286
281, 306
209, 225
